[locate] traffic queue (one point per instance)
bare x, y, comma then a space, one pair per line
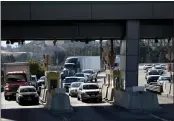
155, 77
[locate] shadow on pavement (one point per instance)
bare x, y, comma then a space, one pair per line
28, 114
111, 113
166, 112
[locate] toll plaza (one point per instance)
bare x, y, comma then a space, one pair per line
94, 21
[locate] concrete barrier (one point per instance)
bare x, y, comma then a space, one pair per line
171, 90
104, 91
110, 94
45, 95
136, 100
166, 88
48, 101
60, 103
42, 94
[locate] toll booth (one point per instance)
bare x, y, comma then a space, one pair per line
52, 80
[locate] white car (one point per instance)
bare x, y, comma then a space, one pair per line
74, 88
91, 73
163, 79
88, 92
85, 76
147, 66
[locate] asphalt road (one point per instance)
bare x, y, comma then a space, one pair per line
11, 111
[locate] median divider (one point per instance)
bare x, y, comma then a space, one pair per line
60, 103
141, 100
45, 95
104, 91
42, 94
171, 90
110, 93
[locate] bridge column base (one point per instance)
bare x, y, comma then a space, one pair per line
136, 100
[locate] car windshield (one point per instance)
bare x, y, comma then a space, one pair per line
153, 78
70, 80
41, 83
76, 84
15, 78
69, 66
28, 90
42, 78
71, 60
90, 87
79, 75
164, 78
33, 79
153, 73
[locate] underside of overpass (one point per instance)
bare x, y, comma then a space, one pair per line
83, 30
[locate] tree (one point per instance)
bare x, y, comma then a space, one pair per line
161, 58
36, 68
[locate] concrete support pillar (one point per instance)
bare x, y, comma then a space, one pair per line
130, 54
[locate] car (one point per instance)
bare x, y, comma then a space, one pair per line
74, 88
68, 80
85, 76
92, 74
152, 78
147, 66
163, 66
33, 80
89, 92
152, 72
27, 94
40, 83
163, 79
160, 69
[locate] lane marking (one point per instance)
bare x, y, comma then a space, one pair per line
157, 117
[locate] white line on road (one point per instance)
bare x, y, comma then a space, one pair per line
157, 117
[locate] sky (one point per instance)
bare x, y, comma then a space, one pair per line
3, 43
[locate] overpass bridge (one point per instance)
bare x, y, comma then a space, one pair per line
86, 21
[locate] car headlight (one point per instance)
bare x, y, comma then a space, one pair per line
84, 93
20, 95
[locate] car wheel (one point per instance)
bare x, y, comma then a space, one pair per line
20, 102
83, 100
78, 98
100, 100
6, 97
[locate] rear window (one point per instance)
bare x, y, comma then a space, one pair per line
15, 78
154, 73
90, 87
76, 84
28, 90
79, 75
70, 80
